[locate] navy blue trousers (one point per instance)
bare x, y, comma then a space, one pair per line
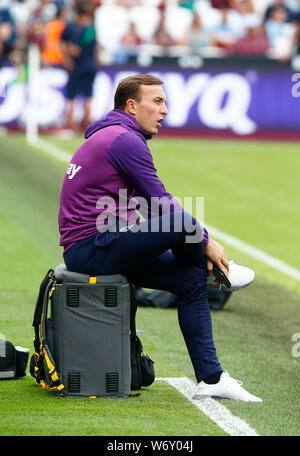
161, 260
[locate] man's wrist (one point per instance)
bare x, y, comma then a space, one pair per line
205, 237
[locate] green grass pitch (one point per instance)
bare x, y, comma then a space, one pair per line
251, 191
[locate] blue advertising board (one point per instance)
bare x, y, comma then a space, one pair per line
243, 102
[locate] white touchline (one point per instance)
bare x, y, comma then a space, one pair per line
51, 149
254, 252
231, 424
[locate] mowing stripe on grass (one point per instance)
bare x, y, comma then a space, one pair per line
231, 424
279, 265
51, 149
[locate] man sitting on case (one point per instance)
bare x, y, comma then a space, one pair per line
109, 178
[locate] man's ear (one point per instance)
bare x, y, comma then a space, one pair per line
131, 106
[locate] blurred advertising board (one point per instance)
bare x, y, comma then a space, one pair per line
243, 102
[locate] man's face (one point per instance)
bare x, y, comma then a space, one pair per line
150, 110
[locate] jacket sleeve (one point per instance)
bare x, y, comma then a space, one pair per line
131, 157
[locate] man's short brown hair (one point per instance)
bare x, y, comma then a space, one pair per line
130, 88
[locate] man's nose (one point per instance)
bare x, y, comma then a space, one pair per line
164, 110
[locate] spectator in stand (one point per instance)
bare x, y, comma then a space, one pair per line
223, 34
129, 46
51, 53
128, 3
43, 13
131, 40
241, 16
283, 5
196, 36
189, 4
292, 8
281, 33
7, 34
78, 47
253, 43
21, 13
220, 4
162, 39
293, 5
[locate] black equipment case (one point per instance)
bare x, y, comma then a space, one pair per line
89, 333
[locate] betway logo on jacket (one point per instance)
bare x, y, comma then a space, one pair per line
73, 170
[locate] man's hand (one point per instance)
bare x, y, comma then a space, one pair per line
215, 254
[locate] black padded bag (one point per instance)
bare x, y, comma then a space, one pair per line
13, 362
142, 367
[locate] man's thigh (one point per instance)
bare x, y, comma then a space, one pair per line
138, 247
128, 252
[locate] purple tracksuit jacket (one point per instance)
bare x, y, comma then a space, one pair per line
114, 160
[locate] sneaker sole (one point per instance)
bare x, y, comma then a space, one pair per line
201, 397
223, 288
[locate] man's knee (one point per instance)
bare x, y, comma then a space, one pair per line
194, 284
177, 222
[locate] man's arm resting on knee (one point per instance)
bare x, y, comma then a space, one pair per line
215, 254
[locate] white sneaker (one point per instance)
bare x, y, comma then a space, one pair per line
239, 277
226, 388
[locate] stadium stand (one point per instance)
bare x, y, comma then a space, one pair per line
156, 27
186, 34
